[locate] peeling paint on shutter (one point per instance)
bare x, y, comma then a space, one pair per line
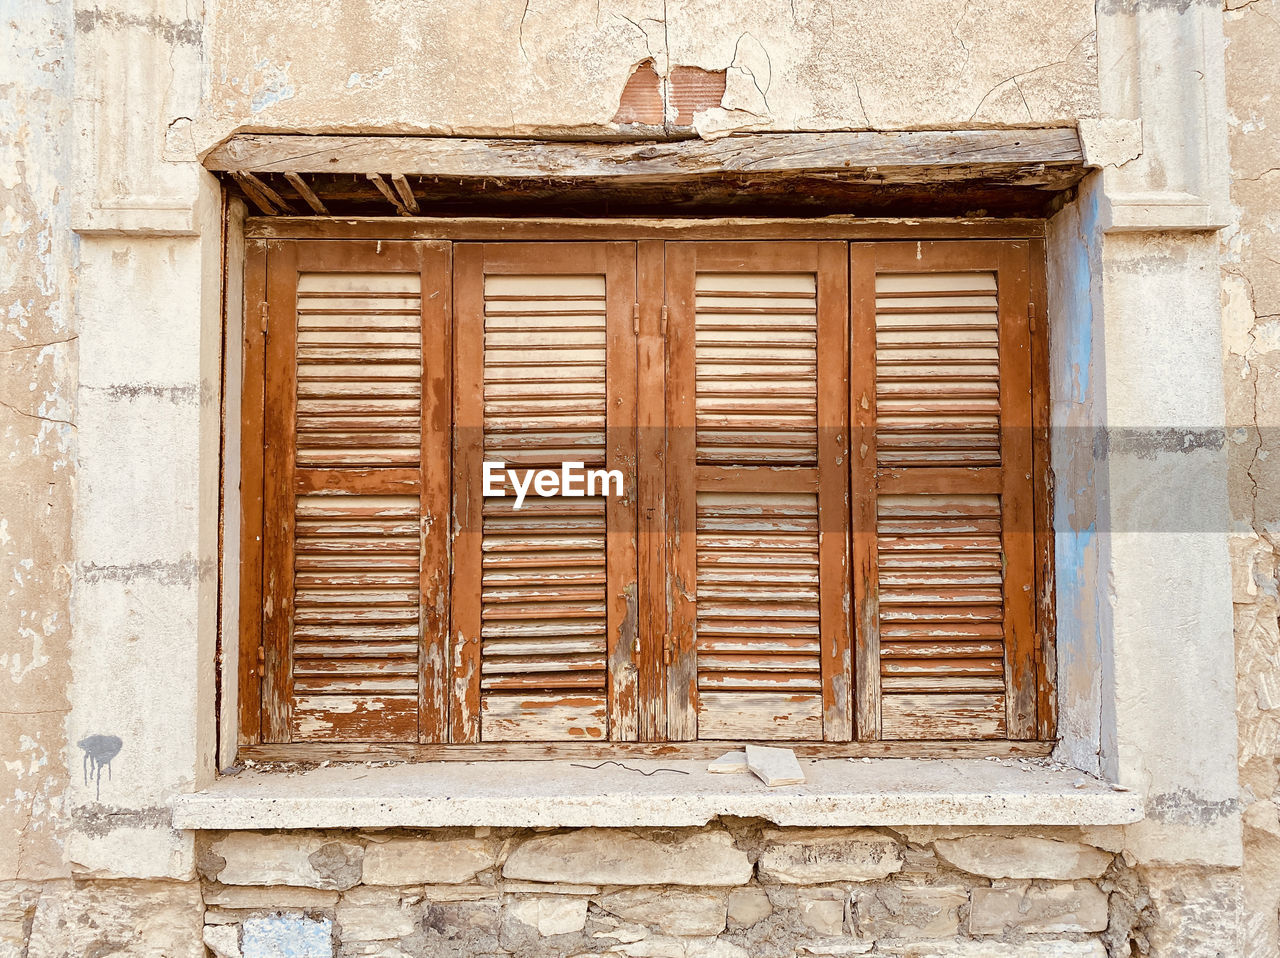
543, 391
352, 564
943, 567
753, 649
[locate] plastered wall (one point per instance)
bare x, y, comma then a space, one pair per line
110, 377
560, 67
1251, 339
38, 348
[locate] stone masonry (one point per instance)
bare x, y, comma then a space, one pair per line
736, 889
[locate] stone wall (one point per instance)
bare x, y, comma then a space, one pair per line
732, 890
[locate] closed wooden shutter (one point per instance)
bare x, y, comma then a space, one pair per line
944, 566
757, 491
355, 536
545, 601
838, 449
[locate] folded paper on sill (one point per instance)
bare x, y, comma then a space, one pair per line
729, 762
774, 766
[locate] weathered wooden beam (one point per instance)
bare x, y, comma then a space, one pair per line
307, 194
276, 200
249, 184
923, 156
377, 180
401, 183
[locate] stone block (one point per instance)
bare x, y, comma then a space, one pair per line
117, 918
223, 940
663, 947
814, 856
604, 856
374, 922
824, 915
993, 856
548, 888
549, 915
292, 935
461, 928
247, 897
311, 861
671, 912
956, 948
410, 861
911, 911
747, 906
460, 892
1074, 907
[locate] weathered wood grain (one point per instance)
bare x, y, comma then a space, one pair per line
887, 157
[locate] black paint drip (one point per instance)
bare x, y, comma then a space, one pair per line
99, 750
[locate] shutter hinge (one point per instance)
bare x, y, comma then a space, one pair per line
666, 649
664, 320
1031, 315
635, 318
262, 318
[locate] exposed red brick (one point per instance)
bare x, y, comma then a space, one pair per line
642, 97
694, 89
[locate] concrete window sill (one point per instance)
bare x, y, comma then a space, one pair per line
529, 794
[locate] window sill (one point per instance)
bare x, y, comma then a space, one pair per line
839, 792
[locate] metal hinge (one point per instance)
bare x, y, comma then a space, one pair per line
664, 320
1031, 315
666, 649
262, 318
635, 318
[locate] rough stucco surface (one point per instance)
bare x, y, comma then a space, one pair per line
37, 441
1251, 328
561, 65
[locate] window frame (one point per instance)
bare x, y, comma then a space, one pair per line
650, 236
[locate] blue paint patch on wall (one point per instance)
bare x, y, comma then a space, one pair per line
287, 936
1070, 547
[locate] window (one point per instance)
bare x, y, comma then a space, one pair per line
828, 477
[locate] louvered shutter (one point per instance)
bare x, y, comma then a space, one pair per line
757, 491
943, 544
545, 603
355, 531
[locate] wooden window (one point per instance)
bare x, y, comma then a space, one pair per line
831, 526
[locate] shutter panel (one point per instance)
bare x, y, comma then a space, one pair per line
545, 597
757, 496
354, 545
944, 565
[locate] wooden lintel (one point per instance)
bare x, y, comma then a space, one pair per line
920, 156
